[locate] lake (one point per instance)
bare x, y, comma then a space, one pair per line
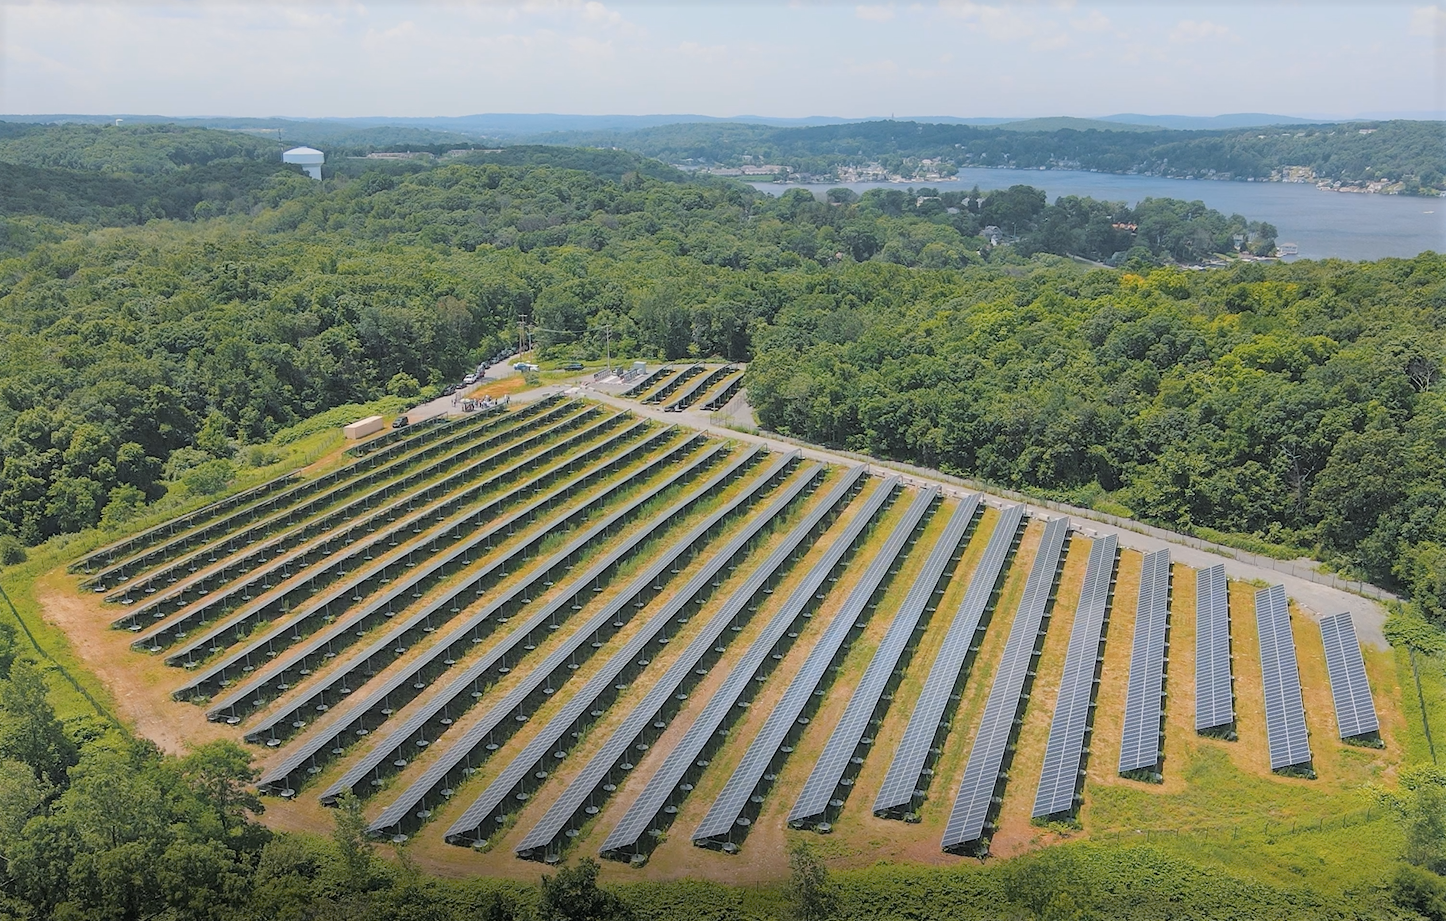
1322, 224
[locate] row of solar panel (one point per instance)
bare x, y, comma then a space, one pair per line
272, 534
139, 552
419, 565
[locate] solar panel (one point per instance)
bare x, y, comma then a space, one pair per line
822, 786
366, 714
1002, 710
927, 726
665, 783
1355, 708
727, 811
691, 394
652, 713
531, 766
1145, 695
438, 713
1214, 697
1284, 710
1059, 779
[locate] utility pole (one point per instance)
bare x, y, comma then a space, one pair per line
608, 344
521, 332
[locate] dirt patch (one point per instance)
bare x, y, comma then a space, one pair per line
140, 684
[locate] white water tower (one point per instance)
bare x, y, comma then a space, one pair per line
308, 158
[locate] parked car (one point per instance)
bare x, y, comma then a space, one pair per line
400, 422
450, 389
572, 366
469, 379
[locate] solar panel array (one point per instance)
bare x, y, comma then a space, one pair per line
671, 387
823, 788
1141, 739
927, 725
727, 811
480, 737
1355, 708
530, 767
627, 837
978, 792
1214, 681
1284, 709
652, 714
370, 601
689, 395
1060, 777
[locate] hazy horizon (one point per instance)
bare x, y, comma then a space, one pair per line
953, 58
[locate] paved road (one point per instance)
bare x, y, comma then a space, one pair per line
1299, 578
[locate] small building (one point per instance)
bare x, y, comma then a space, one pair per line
363, 427
308, 158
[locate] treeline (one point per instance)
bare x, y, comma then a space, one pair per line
1410, 152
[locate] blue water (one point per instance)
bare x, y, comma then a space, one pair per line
1322, 224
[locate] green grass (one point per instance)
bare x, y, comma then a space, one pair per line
74, 692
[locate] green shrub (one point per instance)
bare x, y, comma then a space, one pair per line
12, 551
209, 478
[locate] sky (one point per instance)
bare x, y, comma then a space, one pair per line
789, 59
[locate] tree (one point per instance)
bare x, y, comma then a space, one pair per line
812, 895
219, 773
352, 844
7, 648
29, 731
403, 385
572, 894
1426, 827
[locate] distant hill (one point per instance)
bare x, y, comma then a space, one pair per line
1063, 122
1211, 122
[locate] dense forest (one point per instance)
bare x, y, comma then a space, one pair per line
1408, 152
1298, 404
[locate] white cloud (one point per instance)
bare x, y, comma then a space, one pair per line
1094, 22
1429, 21
880, 13
1191, 30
